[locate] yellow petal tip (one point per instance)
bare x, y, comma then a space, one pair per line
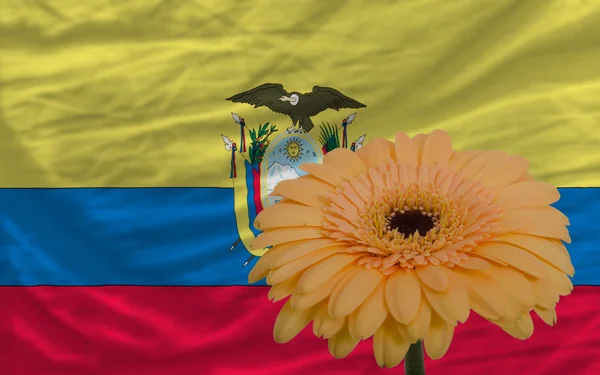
252, 279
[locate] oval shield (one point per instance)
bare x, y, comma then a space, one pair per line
282, 160
252, 188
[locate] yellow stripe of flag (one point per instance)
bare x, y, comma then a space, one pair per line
132, 93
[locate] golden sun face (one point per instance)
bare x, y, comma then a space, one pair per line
293, 150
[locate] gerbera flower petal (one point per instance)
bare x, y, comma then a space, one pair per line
527, 194
280, 236
353, 290
403, 296
461, 158
353, 197
305, 300
515, 283
346, 161
548, 316
521, 328
453, 304
376, 152
515, 257
324, 172
389, 346
561, 282
526, 178
438, 338
288, 215
361, 190
407, 173
437, 149
473, 263
377, 180
434, 277
317, 274
290, 322
306, 190
263, 266
544, 292
535, 222
406, 152
419, 142
502, 171
390, 172
550, 250
283, 289
418, 328
341, 344
325, 326
488, 298
481, 308
290, 269
301, 249
423, 175
480, 161
370, 315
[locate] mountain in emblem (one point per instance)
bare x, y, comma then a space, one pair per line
279, 172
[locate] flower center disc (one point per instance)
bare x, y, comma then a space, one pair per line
414, 223
410, 222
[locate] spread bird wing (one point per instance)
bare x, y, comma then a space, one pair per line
322, 98
265, 95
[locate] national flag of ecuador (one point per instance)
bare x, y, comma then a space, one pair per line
116, 203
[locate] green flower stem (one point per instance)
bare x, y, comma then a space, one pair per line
414, 363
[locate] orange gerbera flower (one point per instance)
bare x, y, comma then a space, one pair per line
401, 240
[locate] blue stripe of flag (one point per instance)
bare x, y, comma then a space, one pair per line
172, 236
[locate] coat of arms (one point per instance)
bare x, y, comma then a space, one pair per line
270, 156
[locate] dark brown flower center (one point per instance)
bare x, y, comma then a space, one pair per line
409, 222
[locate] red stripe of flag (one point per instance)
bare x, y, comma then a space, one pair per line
228, 331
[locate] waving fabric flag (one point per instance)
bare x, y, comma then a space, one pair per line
116, 202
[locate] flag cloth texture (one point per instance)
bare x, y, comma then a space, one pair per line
116, 203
